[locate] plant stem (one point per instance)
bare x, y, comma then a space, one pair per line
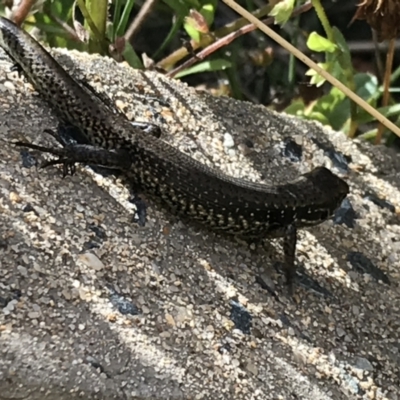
323, 19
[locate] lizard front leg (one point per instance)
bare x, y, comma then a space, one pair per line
84, 154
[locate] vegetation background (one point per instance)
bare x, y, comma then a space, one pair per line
208, 45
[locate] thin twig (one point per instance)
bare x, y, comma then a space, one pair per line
137, 22
22, 11
386, 86
224, 41
181, 53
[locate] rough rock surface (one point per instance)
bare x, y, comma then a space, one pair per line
94, 306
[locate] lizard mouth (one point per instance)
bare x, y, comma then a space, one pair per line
329, 183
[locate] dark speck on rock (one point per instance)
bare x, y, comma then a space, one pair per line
285, 320
28, 208
91, 245
3, 302
98, 230
240, 317
150, 99
28, 160
123, 305
3, 243
96, 364
345, 215
14, 294
292, 150
157, 117
225, 348
247, 142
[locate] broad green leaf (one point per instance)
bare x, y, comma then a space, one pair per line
316, 42
297, 107
366, 85
327, 103
282, 11
340, 114
344, 55
334, 107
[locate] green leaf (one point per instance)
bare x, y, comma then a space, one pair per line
297, 107
282, 11
387, 111
131, 57
316, 42
206, 66
335, 107
122, 22
344, 54
340, 114
192, 32
204, 19
318, 116
366, 85
208, 12
328, 102
317, 79
369, 135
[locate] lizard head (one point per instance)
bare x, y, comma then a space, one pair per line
328, 193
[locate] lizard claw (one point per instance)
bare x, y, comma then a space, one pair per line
69, 167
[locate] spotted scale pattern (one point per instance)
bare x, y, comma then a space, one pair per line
185, 186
